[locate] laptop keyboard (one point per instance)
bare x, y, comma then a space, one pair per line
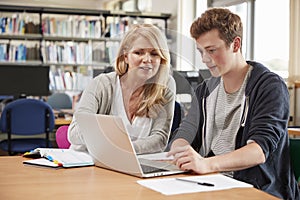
149, 169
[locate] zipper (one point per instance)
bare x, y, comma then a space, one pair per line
245, 112
203, 127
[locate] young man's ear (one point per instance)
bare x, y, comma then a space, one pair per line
237, 44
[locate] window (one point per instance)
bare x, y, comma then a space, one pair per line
271, 39
266, 31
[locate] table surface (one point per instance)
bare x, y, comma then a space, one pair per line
62, 121
19, 181
66, 120
294, 131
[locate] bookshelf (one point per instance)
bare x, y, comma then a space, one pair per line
73, 42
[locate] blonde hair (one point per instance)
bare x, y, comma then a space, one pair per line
155, 88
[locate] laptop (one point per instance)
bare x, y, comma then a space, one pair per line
110, 146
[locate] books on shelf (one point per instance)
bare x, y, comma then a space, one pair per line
73, 26
63, 38
19, 23
67, 78
19, 50
112, 51
54, 157
67, 52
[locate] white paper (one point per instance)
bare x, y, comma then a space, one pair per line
41, 162
171, 186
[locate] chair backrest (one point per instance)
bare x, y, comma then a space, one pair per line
176, 119
182, 84
27, 117
60, 101
177, 116
62, 137
295, 159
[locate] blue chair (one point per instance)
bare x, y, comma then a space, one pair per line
26, 118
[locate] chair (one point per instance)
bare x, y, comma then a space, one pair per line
60, 101
183, 86
176, 119
295, 159
26, 118
62, 137
177, 116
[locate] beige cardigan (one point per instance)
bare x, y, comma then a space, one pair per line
98, 97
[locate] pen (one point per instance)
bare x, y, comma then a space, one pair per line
199, 183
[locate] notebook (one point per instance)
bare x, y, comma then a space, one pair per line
110, 147
54, 157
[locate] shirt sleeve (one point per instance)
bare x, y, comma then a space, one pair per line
96, 98
268, 114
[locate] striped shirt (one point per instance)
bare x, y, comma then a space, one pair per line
228, 113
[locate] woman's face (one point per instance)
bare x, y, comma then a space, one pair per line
142, 59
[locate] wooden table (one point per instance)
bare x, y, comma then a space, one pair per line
20, 181
294, 131
62, 121
66, 120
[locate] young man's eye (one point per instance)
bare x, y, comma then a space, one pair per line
211, 51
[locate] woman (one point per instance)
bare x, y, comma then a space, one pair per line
140, 90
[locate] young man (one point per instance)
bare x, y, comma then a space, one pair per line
237, 123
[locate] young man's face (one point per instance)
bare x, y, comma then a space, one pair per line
214, 52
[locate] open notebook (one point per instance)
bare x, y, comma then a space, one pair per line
53, 157
110, 147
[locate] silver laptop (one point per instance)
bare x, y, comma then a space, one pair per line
110, 147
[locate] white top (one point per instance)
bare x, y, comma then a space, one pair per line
140, 127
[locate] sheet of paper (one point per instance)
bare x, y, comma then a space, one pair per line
171, 186
156, 156
41, 162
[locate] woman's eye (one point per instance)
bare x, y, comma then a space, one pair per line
154, 53
138, 52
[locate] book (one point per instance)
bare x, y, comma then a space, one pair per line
55, 157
